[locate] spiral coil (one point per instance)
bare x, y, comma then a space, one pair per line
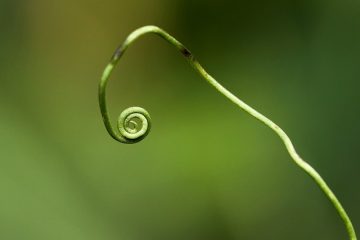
134, 123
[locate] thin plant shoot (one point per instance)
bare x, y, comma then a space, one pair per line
134, 123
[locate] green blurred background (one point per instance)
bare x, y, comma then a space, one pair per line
207, 171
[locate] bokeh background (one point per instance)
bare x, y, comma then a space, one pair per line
207, 171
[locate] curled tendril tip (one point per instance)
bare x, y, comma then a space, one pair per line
134, 123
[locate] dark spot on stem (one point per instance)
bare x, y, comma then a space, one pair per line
117, 54
186, 52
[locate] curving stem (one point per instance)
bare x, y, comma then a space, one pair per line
128, 127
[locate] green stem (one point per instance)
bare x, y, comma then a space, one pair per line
127, 125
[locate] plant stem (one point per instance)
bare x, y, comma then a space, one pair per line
128, 135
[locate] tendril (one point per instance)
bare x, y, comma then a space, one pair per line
134, 123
